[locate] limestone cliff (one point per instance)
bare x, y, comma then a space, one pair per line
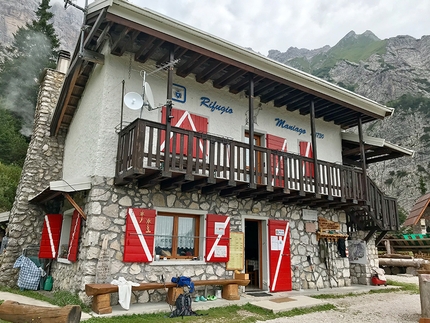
385, 71
15, 14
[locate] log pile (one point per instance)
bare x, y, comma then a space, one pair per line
21, 313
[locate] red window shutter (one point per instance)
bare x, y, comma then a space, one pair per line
306, 151
185, 120
217, 238
50, 240
75, 230
276, 162
139, 235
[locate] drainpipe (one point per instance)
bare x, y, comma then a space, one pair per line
363, 157
251, 132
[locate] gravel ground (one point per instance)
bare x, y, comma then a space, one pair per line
396, 307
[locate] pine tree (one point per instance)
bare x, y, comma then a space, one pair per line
34, 48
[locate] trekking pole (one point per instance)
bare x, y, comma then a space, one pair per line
312, 269
328, 264
334, 272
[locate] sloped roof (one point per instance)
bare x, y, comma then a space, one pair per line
418, 210
377, 149
150, 37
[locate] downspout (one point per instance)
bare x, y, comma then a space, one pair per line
363, 158
315, 155
169, 103
251, 132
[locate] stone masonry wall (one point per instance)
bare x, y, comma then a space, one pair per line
106, 213
43, 164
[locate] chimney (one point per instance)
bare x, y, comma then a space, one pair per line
63, 61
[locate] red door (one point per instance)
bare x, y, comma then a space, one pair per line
189, 121
279, 256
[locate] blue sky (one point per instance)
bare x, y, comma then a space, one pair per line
280, 24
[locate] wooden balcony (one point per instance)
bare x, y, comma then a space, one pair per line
215, 164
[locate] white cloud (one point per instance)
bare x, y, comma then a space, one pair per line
280, 24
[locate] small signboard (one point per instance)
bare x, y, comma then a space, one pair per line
236, 260
326, 225
280, 232
309, 215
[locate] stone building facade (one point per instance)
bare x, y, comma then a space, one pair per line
106, 205
43, 164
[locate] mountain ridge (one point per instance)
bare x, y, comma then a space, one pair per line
393, 72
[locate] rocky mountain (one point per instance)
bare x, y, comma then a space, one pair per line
395, 72
15, 14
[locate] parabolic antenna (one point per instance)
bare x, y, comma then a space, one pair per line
133, 100
149, 98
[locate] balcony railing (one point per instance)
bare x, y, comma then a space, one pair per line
218, 164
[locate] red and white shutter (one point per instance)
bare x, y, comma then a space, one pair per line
306, 151
217, 238
279, 256
139, 235
51, 233
75, 230
188, 121
276, 162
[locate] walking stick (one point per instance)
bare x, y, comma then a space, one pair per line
312, 269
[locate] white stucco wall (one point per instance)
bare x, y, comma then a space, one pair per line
91, 144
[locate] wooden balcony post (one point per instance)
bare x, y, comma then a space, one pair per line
314, 145
363, 157
251, 133
168, 113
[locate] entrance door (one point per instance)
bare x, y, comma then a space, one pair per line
279, 256
253, 253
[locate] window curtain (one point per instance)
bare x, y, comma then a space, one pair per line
186, 229
164, 230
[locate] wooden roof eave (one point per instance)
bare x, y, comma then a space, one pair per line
80, 56
176, 32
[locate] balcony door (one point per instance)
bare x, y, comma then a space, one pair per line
188, 121
258, 163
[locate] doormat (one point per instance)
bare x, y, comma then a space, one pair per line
259, 294
283, 300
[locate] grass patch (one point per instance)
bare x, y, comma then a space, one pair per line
245, 314
404, 287
59, 298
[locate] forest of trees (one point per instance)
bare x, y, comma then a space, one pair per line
33, 49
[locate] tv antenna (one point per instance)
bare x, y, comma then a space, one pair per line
134, 101
69, 2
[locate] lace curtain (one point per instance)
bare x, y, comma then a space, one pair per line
164, 231
186, 229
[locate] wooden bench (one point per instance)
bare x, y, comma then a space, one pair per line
101, 292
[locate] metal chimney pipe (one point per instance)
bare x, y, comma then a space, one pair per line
63, 61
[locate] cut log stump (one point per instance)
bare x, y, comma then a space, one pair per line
20, 313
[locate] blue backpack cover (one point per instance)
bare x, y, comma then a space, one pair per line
182, 281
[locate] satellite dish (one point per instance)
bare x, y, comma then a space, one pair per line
133, 100
149, 98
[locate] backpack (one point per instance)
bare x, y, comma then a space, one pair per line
184, 281
183, 306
